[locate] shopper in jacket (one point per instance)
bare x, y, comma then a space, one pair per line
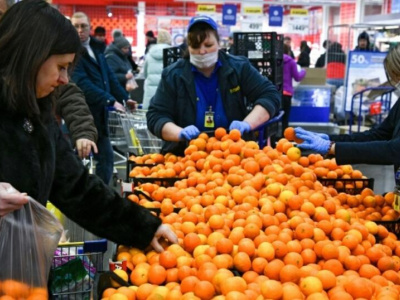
153, 65
290, 73
364, 44
38, 45
304, 58
101, 89
117, 58
378, 146
71, 106
208, 84
336, 65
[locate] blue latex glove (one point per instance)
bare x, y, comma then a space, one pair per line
242, 126
313, 141
189, 132
302, 131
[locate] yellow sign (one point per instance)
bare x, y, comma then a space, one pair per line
299, 11
207, 8
253, 10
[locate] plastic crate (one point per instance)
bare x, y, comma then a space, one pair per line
392, 226
265, 52
171, 55
348, 186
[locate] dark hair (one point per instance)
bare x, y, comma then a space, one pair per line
99, 30
150, 33
30, 32
286, 49
198, 33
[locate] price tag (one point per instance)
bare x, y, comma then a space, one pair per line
252, 26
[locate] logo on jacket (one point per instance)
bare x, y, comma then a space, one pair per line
235, 89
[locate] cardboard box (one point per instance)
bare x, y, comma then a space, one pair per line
314, 76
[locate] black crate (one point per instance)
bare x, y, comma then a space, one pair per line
348, 186
258, 45
392, 226
171, 55
265, 52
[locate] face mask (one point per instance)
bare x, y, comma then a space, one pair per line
204, 61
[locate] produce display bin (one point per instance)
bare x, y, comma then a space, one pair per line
392, 226
349, 186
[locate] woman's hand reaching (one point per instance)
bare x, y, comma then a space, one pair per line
10, 199
165, 232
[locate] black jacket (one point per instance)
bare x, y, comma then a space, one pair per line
43, 165
99, 84
118, 63
377, 146
240, 85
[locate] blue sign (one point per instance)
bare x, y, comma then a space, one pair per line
275, 16
229, 14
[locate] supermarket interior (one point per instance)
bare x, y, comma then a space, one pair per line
301, 201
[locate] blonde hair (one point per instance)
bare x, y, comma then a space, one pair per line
164, 37
80, 15
392, 63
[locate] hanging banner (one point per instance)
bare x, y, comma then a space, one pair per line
206, 9
298, 21
229, 14
275, 16
365, 70
253, 14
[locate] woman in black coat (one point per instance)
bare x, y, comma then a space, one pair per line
38, 46
304, 57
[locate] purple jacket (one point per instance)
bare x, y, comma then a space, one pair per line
290, 72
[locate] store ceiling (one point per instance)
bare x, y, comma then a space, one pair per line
178, 2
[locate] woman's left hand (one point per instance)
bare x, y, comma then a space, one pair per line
84, 147
10, 199
165, 232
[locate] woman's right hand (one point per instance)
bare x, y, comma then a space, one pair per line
10, 199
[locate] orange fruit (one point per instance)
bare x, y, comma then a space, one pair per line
157, 274
167, 259
271, 289
310, 285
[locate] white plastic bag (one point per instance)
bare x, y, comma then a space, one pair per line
131, 84
28, 239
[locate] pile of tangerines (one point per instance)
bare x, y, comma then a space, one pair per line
12, 290
257, 224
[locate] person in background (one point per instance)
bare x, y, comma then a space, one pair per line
208, 84
304, 58
378, 146
116, 33
50, 170
151, 40
117, 58
71, 106
231, 49
153, 66
101, 89
364, 44
336, 65
288, 41
100, 34
321, 60
290, 73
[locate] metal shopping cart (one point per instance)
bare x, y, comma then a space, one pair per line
138, 138
74, 268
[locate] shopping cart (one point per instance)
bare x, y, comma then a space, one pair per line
74, 268
139, 139
116, 133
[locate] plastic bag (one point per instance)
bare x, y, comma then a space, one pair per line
28, 239
131, 84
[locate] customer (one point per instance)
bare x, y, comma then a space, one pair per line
287, 40
71, 106
336, 65
151, 40
208, 83
38, 45
304, 58
364, 44
322, 58
153, 66
102, 91
379, 146
290, 73
100, 34
117, 58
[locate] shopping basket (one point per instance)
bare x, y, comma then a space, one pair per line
139, 139
74, 268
